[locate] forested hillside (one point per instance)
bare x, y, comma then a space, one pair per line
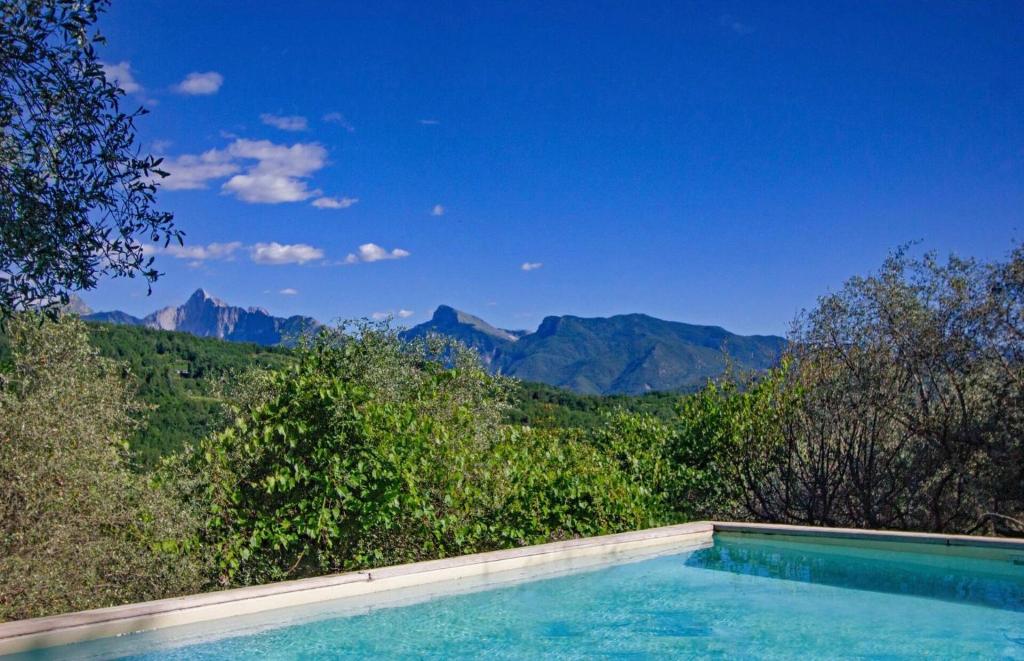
180, 377
541, 405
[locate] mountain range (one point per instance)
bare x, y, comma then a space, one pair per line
622, 354
208, 316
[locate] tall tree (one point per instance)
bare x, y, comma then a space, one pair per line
910, 412
76, 197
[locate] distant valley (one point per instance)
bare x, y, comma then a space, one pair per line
624, 354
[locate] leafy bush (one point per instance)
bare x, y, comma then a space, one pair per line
725, 438
78, 529
369, 450
702, 461
545, 486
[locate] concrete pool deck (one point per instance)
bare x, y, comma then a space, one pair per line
45, 632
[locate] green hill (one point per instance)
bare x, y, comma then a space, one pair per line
182, 376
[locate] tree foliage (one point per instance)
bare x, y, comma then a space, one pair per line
911, 406
369, 450
703, 461
76, 198
187, 381
78, 529
900, 405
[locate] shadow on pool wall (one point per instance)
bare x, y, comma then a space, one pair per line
995, 579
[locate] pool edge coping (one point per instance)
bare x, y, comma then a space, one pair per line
55, 630
939, 539
33, 634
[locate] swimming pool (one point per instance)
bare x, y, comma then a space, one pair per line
741, 596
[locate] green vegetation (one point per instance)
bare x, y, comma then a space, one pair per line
78, 197
182, 377
183, 381
541, 405
367, 450
900, 404
186, 382
78, 529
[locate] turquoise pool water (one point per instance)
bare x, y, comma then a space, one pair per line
743, 597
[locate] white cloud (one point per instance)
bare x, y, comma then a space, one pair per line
285, 123
276, 253
200, 83
334, 202
429, 122
288, 291
402, 313
201, 252
338, 118
438, 210
268, 188
531, 266
263, 172
190, 172
121, 75
299, 160
371, 252
273, 253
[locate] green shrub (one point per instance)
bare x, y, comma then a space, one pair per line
544, 486
78, 529
369, 450
700, 462
725, 437
638, 443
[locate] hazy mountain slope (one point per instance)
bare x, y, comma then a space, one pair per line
624, 354
633, 353
470, 330
113, 317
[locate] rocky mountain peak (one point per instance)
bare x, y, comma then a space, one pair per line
447, 317
205, 315
200, 296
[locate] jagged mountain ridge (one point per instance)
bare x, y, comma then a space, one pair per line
205, 315
623, 354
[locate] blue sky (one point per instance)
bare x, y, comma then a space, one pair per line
709, 163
